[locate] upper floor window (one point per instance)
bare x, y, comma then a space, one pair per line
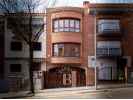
15, 68
108, 25
1, 27
37, 46
37, 24
1, 34
36, 66
109, 48
66, 25
66, 50
16, 46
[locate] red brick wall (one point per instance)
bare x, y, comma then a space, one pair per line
88, 46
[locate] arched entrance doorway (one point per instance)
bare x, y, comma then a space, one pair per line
65, 75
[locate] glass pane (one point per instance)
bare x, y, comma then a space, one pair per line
61, 50
66, 29
77, 30
56, 30
56, 24
61, 29
72, 29
37, 46
72, 23
77, 24
67, 50
60, 45
55, 50
66, 22
75, 51
60, 23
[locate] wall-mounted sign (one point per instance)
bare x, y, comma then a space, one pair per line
131, 75
128, 60
91, 61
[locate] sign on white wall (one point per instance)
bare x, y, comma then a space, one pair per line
131, 75
128, 60
91, 61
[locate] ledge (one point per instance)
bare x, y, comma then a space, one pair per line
64, 60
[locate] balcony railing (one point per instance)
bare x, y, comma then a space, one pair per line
108, 27
108, 51
109, 32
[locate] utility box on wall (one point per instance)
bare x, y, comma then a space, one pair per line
38, 78
130, 75
92, 61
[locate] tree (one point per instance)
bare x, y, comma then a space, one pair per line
20, 17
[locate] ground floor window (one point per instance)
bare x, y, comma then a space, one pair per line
111, 69
107, 73
15, 68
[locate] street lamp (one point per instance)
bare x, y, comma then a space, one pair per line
95, 46
95, 41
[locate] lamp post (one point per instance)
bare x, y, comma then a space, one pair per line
95, 45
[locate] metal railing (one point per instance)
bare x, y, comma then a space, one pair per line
108, 52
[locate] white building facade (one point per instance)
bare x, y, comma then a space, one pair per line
17, 59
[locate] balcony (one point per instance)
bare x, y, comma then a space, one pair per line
109, 33
108, 27
108, 52
109, 10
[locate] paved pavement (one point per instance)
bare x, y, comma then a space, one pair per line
15, 94
119, 93
103, 91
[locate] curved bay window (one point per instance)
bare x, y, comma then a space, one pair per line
66, 25
66, 50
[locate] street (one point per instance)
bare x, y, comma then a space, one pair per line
119, 93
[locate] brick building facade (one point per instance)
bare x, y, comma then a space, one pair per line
1, 47
113, 35
71, 34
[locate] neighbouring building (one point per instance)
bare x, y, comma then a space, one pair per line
64, 55
2, 47
16, 69
113, 29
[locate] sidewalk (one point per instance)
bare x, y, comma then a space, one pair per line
62, 91
75, 90
88, 88
15, 94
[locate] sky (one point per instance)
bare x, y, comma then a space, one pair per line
79, 3
74, 3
